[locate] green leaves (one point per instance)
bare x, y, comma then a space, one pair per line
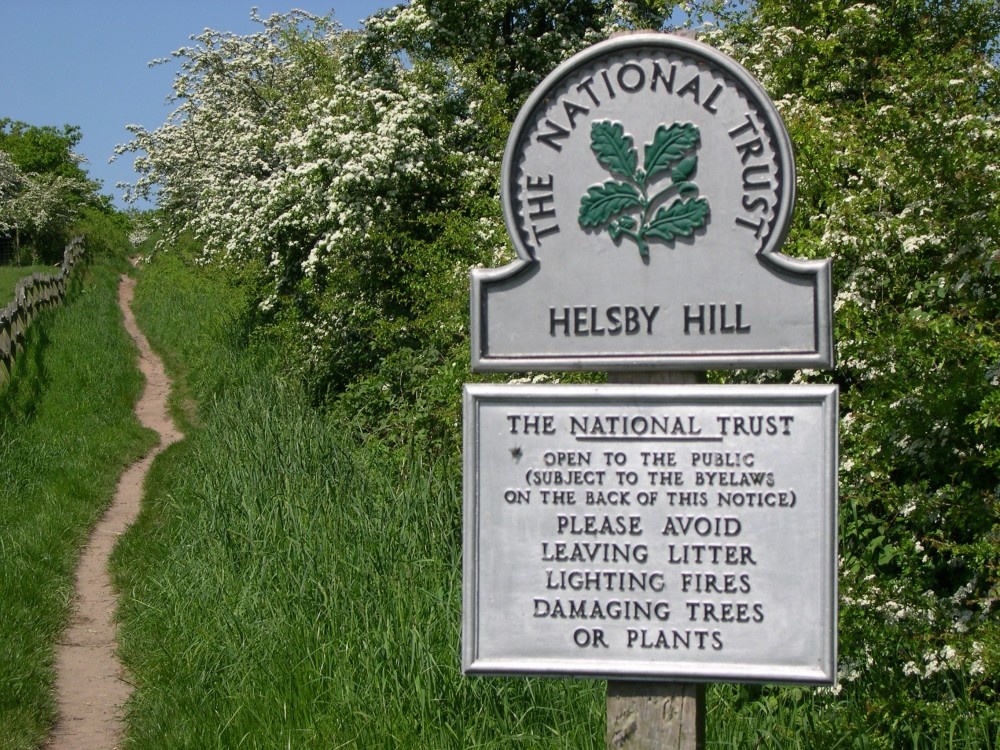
613, 148
670, 145
679, 220
611, 204
602, 202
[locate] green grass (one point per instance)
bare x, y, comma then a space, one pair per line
10, 275
66, 433
293, 586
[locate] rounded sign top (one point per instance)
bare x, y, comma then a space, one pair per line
648, 141
648, 186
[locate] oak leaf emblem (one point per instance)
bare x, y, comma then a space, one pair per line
624, 206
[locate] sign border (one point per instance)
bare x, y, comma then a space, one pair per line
474, 395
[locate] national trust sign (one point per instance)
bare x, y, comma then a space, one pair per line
648, 185
651, 532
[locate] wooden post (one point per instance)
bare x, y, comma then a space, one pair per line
653, 715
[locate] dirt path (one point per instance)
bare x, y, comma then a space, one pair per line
90, 681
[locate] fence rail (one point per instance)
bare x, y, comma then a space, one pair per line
32, 295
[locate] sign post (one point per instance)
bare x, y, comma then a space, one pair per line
655, 714
655, 532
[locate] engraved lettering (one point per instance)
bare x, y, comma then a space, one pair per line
760, 184
757, 425
715, 319
554, 135
757, 228
673, 639
749, 125
586, 85
693, 87
638, 425
639, 78
572, 110
590, 320
540, 206
709, 104
668, 83
607, 83
593, 525
750, 149
531, 424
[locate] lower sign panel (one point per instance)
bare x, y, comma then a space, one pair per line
651, 532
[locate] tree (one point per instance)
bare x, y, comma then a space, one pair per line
293, 154
42, 149
45, 185
357, 171
512, 43
12, 182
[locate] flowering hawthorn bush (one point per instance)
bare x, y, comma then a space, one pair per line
893, 111
353, 189
12, 181
42, 186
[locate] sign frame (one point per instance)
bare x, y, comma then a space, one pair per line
818, 668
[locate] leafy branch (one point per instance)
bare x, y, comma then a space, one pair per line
624, 206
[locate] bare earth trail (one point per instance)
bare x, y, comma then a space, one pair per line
91, 684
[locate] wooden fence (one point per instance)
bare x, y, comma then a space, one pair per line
33, 294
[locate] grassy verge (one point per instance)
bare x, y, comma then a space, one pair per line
10, 275
67, 431
292, 586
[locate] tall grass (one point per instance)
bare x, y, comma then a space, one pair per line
67, 431
292, 585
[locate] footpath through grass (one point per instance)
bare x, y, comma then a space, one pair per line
67, 431
290, 585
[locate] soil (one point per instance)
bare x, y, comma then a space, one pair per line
91, 684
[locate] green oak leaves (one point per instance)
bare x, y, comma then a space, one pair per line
624, 205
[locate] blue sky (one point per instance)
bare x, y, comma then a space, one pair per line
86, 62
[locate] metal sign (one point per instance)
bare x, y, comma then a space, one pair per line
670, 532
647, 186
